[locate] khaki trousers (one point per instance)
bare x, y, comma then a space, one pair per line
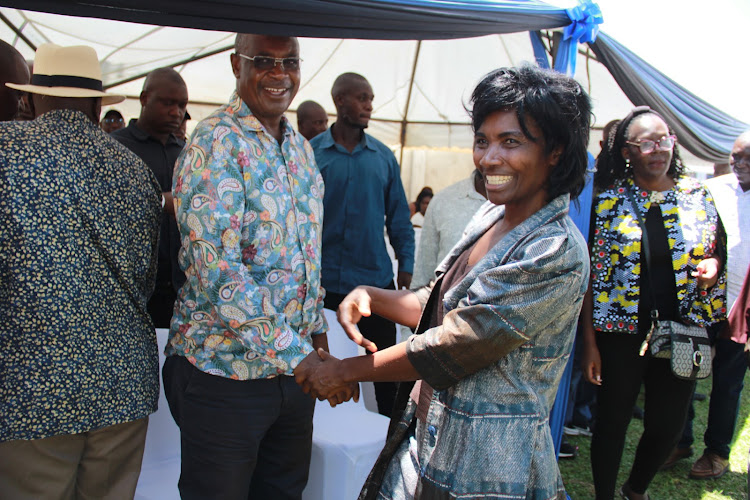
100, 464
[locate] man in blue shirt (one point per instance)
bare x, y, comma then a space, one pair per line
362, 189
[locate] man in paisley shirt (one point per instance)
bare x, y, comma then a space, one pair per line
79, 224
249, 206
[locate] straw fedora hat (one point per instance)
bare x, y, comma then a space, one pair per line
67, 72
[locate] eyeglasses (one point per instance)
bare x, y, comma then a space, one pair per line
739, 162
113, 120
265, 63
647, 146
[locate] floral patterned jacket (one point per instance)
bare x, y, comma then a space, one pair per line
249, 212
693, 230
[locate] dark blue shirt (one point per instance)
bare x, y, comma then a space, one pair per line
363, 191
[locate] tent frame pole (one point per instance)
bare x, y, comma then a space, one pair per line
173, 65
18, 32
408, 103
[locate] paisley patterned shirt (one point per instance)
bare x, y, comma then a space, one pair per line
79, 224
692, 225
249, 212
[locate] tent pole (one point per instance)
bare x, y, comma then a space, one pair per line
18, 32
408, 102
178, 63
555, 42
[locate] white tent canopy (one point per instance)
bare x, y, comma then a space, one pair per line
420, 87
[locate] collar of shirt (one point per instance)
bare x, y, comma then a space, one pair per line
245, 116
327, 141
141, 135
73, 117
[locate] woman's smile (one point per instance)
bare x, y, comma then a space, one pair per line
497, 180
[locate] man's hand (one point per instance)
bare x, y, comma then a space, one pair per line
320, 341
319, 375
355, 305
403, 280
169, 203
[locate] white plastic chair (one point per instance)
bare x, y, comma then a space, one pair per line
347, 439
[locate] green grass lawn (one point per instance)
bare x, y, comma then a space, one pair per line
672, 484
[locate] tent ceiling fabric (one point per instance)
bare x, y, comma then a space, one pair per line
700, 127
364, 19
445, 72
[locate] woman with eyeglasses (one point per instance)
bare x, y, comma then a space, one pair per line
640, 164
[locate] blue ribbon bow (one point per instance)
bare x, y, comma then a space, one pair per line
585, 20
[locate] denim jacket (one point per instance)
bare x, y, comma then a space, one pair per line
495, 363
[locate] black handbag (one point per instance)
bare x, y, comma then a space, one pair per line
687, 346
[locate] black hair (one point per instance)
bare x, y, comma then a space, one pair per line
556, 103
426, 192
344, 81
113, 113
610, 164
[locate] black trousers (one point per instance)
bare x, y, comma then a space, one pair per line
240, 440
666, 406
161, 305
383, 333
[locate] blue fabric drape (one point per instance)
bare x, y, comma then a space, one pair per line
540, 52
580, 212
584, 26
702, 129
364, 19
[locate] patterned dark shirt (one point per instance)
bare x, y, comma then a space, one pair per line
79, 226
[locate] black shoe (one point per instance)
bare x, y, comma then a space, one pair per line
699, 396
627, 494
567, 450
638, 412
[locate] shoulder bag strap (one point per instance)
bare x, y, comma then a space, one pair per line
647, 255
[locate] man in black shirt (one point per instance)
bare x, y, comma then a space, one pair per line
163, 102
13, 69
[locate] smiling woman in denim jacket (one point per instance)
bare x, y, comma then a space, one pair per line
497, 325
687, 283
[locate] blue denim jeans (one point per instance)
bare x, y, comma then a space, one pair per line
729, 366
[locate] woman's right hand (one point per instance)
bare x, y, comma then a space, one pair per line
591, 364
355, 305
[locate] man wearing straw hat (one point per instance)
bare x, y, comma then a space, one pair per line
79, 223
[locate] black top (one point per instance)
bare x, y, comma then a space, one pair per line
658, 283
161, 159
